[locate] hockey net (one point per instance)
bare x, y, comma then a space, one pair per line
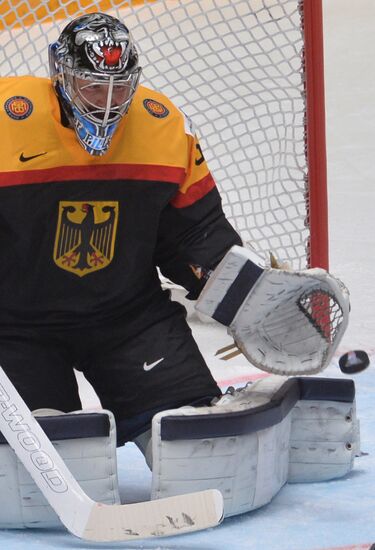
250, 75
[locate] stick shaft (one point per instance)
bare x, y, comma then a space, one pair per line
40, 458
81, 515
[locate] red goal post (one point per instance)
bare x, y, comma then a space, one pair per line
315, 139
250, 75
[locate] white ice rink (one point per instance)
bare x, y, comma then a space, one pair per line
319, 515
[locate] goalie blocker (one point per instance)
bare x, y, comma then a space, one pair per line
284, 322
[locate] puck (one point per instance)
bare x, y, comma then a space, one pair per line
354, 361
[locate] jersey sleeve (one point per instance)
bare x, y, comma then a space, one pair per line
194, 234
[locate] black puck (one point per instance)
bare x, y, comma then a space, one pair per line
354, 361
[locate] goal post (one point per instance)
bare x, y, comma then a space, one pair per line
315, 139
250, 75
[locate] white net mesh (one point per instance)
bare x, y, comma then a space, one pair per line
234, 66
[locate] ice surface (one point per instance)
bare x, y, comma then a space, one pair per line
315, 515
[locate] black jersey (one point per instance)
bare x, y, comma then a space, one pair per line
81, 236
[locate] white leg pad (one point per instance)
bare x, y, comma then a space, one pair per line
90, 454
254, 441
324, 440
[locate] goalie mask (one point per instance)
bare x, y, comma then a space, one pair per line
95, 73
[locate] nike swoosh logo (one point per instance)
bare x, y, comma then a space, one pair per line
26, 159
147, 367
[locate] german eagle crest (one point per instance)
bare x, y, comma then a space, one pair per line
85, 236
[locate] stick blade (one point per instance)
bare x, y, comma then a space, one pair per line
156, 518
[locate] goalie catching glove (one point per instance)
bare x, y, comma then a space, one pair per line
284, 322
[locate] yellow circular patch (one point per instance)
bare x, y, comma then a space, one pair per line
155, 108
18, 107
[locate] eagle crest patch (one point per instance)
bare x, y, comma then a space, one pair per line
85, 236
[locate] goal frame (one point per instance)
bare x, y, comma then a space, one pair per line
315, 138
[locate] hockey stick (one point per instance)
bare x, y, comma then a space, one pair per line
81, 515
